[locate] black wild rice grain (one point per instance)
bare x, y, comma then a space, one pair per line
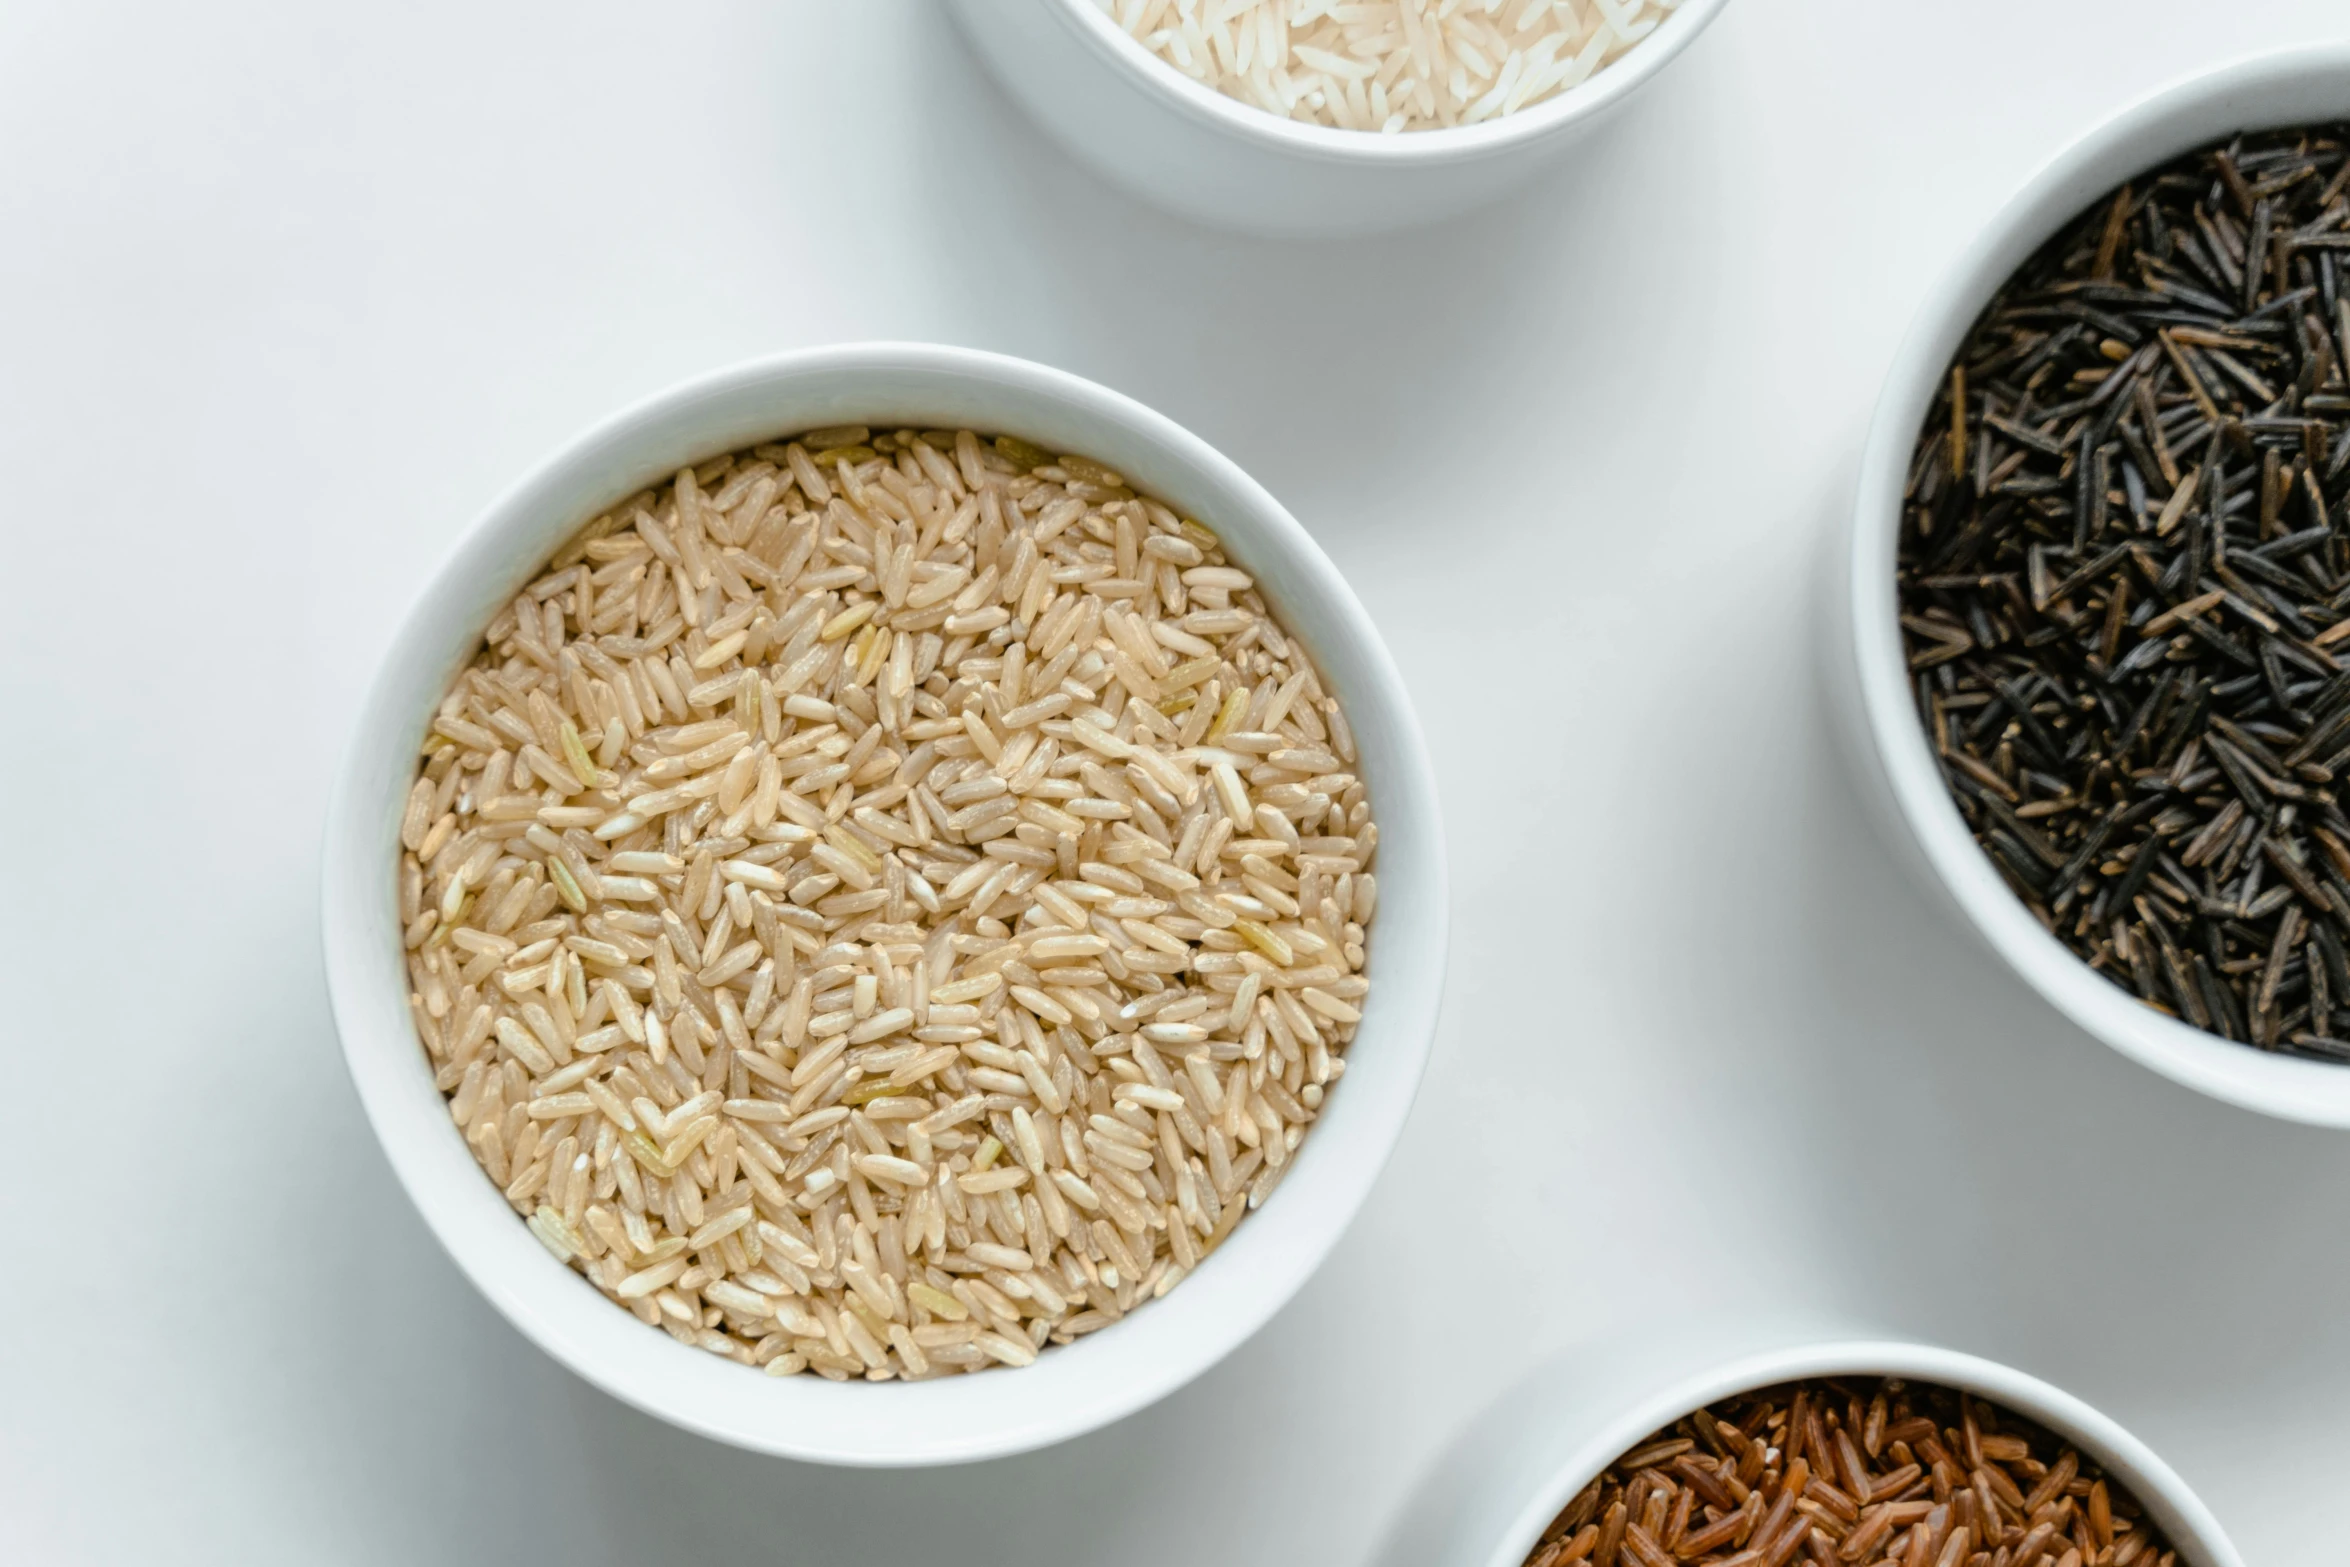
2125, 586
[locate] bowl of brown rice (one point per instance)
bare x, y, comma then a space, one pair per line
887, 905
1286, 118
1778, 1442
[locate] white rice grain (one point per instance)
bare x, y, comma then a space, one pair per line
1389, 65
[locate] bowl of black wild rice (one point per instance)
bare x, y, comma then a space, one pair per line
2099, 592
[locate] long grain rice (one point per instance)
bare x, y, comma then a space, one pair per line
881, 905
1390, 65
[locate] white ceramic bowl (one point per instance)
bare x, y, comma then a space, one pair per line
1501, 1483
1143, 124
1071, 1389
1867, 668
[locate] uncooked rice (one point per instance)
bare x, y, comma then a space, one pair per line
1853, 1472
881, 905
1389, 65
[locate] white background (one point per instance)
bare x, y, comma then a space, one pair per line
289, 292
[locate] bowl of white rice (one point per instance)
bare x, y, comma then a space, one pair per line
886, 905
1304, 117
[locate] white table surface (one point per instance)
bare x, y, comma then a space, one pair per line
288, 292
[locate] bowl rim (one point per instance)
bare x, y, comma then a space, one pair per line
966, 1418
2193, 1529
1593, 96
2145, 132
